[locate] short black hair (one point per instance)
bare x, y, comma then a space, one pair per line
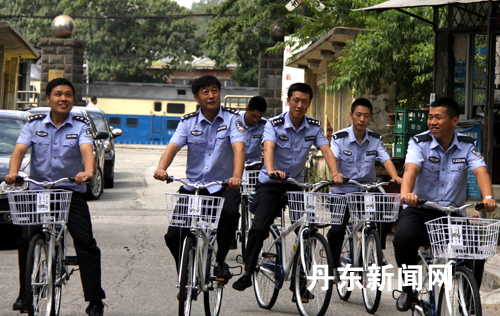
451, 106
257, 103
94, 98
58, 82
204, 81
363, 102
300, 87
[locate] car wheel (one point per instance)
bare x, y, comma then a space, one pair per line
95, 187
109, 182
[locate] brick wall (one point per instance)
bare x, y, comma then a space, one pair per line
270, 71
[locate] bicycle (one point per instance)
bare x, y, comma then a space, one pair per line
452, 240
200, 214
47, 264
248, 183
361, 246
310, 251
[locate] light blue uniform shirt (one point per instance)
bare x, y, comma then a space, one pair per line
56, 150
291, 146
253, 139
443, 175
210, 154
357, 161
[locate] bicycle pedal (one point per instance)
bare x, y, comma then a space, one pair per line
237, 267
25, 311
71, 261
239, 259
268, 255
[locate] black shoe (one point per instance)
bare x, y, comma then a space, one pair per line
242, 283
19, 304
404, 301
95, 308
222, 271
305, 296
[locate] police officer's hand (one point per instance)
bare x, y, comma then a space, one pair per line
279, 174
398, 180
489, 205
160, 174
81, 177
10, 178
339, 179
234, 183
410, 199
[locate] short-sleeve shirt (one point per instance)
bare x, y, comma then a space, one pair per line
253, 139
210, 154
291, 146
443, 175
56, 150
357, 161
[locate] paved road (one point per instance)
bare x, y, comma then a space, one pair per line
139, 274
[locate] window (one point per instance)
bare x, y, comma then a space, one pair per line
132, 121
157, 106
181, 92
175, 108
116, 121
171, 124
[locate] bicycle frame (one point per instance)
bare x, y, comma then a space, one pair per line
362, 227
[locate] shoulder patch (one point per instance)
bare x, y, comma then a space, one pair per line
313, 121
278, 121
262, 121
373, 134
422, 138
81, 119
467, 139
189, 115
230, 110
340, 135
36, 117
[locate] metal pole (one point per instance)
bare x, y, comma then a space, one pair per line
490, 90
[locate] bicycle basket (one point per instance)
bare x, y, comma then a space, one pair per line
373, 206
194, 211
463, 238
321, 208
249, 180
36, 207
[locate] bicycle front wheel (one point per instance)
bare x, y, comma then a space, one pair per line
212, 298
186, 287
58, 272
425, 296
38, 279
315, 300
244, 225
464, 298
373, 253
267, 273
346, 258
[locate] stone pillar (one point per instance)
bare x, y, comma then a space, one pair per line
270, 72
62, 57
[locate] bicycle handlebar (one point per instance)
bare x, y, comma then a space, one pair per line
372, 185
449, 210
198, 185
45, 184
311, 186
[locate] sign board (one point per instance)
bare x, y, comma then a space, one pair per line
56, 73
473, 191
290, 74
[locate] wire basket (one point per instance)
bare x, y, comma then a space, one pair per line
36, 207
193, 211
321, 208
249, 181
374, 206
463, 238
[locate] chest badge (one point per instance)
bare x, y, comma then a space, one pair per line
71, 136
434, 159
221, 128
257, 136
347, 152
196, 132
458, 160
371, 152
41, 133
308, 138
284, 138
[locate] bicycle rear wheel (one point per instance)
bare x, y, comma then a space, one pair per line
212, 298
346, 258
373, 253
244, 225
38, 279
268, 272
185, 296
425, 296
316, 252
58, 273
464, 295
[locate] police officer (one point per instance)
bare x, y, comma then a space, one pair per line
436, 170
59, 141
287, 140
356, 148
254, 129
216, 152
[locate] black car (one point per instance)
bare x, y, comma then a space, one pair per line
96, 185
102, 124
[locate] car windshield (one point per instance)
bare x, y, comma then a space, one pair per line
11, 128
99, 121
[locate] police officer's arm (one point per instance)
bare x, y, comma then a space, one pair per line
16, 159
239, 165
88, 164
331, 161
269, 160
408, 184
165, 161
484, 183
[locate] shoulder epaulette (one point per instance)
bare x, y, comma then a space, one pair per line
467, 139
422, 138
189, 115
313, 121
81, 119
230, 110
373, 134
278, 121
340, 135
262, 121
36, 117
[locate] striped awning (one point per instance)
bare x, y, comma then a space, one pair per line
400, 4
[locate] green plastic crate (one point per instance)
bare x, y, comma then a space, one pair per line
410, 122
401, 145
